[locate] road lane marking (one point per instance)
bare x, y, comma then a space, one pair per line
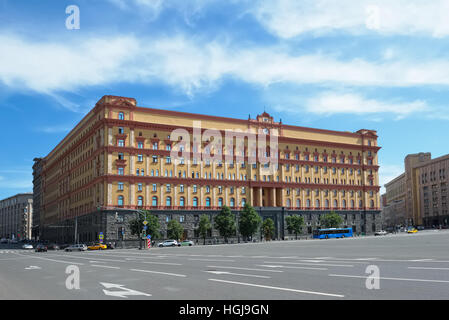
237, 274
103, 266
291, 267
33, 268
278, 288
428, 268
124, 293
421, 260
122, 261
54, 260
158, 272
385, 278
241, 268
313, 264
214, 260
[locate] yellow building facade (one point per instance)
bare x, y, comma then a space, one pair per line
122, 157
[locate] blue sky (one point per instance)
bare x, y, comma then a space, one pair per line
341, 65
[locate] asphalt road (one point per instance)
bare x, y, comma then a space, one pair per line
401, 266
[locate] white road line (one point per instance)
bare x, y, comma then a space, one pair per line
53, 260
158, 272
384, 278
237, 274
241, 268
278, 288
215, 260
313, 264
421, 260
124, 261
428, 268
103, 266
163, 263
290, 267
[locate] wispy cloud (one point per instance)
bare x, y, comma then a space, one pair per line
291, 18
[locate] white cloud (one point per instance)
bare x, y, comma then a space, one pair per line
191, 65
333, 103
290, 18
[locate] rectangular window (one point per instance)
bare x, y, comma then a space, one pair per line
140, 158
120, 186
121, 143
154, 187
121, 171
139, 187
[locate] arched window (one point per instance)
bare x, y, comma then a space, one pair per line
207, 202
326, 204
154, 201
232, 202
139, 201
298, 203
371, 204
243, 202
220, 202
195, 202
168, 201
335, 204
308, 203
352, 204
344, 204
317, 204
181, 202
120, 201
360, 204
121, 116
288, 203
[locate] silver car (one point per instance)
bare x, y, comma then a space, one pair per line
76, 247
380, 233
168, 243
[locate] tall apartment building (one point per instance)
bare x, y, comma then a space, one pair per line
37, 197
119, 159
16, 214
419, 195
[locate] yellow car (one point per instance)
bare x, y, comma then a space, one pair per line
97, 246
412, 230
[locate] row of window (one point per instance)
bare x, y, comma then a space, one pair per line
308, 204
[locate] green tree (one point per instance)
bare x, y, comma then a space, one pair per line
153, 225
204, 227
225, 223
268, 229
331, 220
174, 230
249, 221
295, 224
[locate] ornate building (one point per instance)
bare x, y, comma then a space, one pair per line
120, 158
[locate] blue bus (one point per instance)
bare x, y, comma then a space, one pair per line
332, 233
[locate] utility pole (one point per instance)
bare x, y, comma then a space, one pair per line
76, 230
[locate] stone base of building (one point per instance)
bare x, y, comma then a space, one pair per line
114, 225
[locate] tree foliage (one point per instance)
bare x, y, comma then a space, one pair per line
225, 223
331, 220
295, 224
249, 221
174, 230
268, 229
153, 226
204, 227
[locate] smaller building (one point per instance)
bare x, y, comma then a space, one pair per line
16, 214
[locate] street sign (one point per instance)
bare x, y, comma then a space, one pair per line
101, 236
145, 222
145, 227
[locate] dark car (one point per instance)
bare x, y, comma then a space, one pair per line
110, 245
53, 246
41, 248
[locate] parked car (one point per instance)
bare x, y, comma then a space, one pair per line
380, 233
110, 245
168, 243
76, 247
412, 230
3, 240
41, 248
185, 243
97, 246
27, 246
53, 246
13, 241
